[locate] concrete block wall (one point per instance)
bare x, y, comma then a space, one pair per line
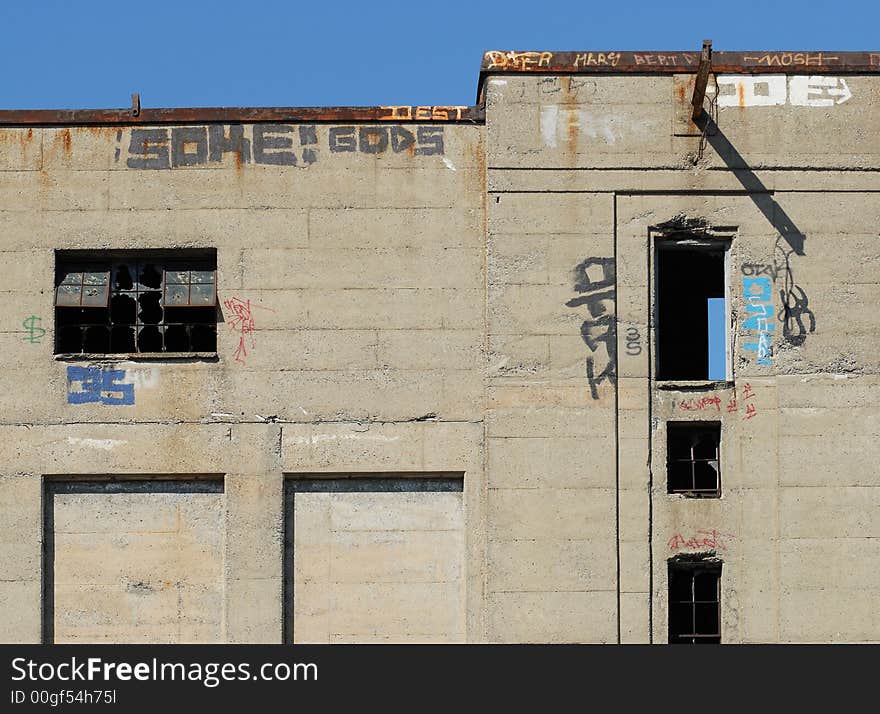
360, 262
602, 161
475, 301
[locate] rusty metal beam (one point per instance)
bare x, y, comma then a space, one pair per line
677, 62
229, 115
702, 80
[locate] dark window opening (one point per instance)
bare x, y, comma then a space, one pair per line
693, 458
135, 302
694, 602
691, 312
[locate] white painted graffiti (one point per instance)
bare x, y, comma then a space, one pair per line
771, 90
605, 127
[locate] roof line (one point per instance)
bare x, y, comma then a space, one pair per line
231, 115
493, 62
651, 62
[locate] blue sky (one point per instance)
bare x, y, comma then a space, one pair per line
94, 53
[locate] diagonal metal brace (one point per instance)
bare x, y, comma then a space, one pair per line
702, 80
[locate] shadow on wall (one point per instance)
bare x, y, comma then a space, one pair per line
796, 317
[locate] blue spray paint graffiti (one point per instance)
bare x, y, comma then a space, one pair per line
96, 384
757, 292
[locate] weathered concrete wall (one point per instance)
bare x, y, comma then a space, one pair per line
358, 253
135, 562
598, 162
377, 560
479, 300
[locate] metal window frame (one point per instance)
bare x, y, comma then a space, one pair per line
164, 260
691, 569
693, 491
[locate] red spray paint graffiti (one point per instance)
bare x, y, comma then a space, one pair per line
732, 404
701, 540
242, 321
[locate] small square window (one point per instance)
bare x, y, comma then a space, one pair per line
123, 302
694, 602
693, 458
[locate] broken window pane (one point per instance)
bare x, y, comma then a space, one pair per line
158, 302
692, 458
694, 602
201, 295
177, 294
68, 295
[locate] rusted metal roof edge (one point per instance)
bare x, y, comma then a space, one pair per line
653, 62
235, 115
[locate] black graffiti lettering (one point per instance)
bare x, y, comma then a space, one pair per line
183, 137
633, 341
266, 137
430, 140
148, 149
600, 327
233, 142
584, 283
756, 269
401, 139
342, 138
795, 313
308, 136
373, 139
795, 309
272, 144
606, 375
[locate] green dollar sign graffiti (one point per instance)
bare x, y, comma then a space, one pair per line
36, 332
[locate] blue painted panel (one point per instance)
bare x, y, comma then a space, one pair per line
717, 341
87, 385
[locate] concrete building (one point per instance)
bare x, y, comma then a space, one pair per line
567, 365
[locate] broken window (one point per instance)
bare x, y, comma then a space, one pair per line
693, 464
691, 310
126, 302
694, 602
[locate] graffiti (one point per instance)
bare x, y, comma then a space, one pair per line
633, 341
517, 60
757, 293
755, 269
377, 139
705, 539
599, 328
700, 404
750, 409
559, 122
787, 59
35, 332
103, 385
429, 113
273, 144
588, 59
242, 321
667, 59
773, 90
714, 403
795, 313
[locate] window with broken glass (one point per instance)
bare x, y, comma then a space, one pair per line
693, 465
694, 602
135, 304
